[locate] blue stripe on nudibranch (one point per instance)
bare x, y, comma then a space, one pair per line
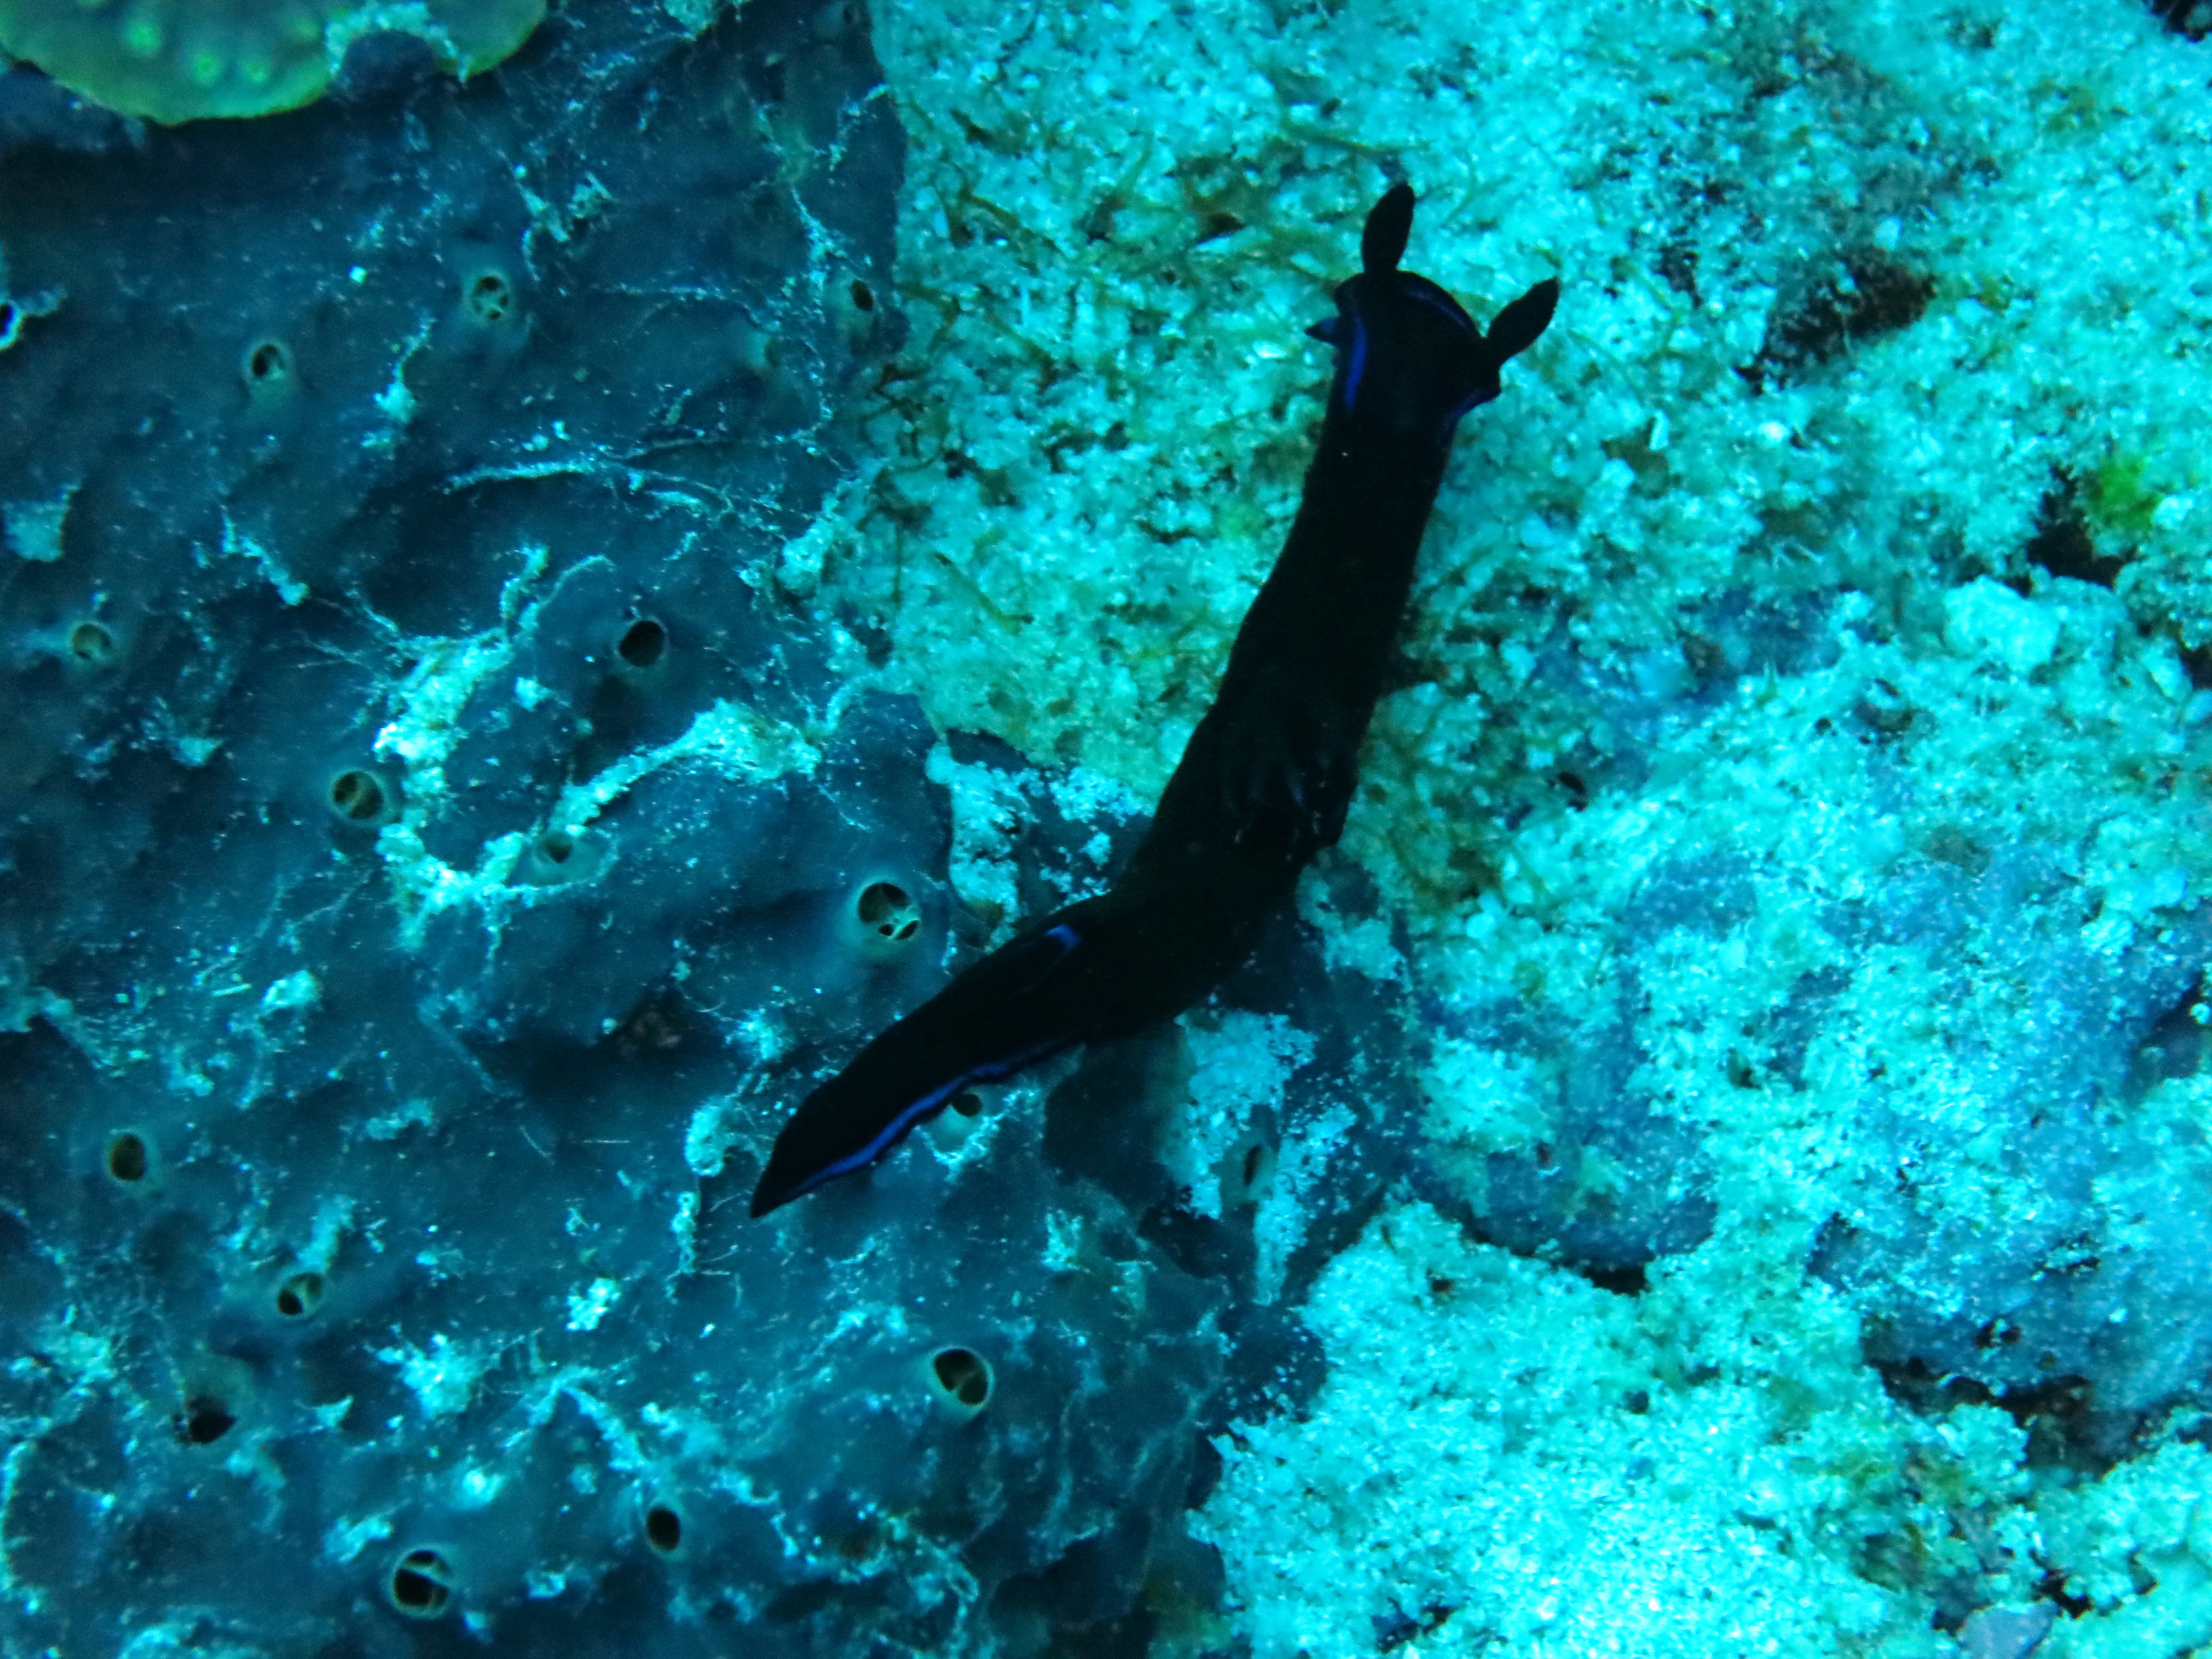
889, 1134
885, 1137
1428, 294
1357, 366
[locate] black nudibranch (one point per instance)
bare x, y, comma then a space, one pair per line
1267, 777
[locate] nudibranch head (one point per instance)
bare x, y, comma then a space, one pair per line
1411, 361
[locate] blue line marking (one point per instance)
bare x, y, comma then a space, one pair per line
886, 1136
1444, 304
1358, 361
998, 1068
889, 1135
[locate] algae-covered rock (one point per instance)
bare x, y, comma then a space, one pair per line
182, 60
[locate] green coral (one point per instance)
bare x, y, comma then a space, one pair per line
2123, 495
181, 60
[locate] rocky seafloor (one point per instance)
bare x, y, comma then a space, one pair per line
539, 610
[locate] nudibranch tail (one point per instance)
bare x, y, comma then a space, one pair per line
989, 1022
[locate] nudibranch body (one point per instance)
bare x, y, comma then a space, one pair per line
1268, 776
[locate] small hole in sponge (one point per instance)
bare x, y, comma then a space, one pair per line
1247, 1179
266, 363
203, 1420
563, 855
664, 1529
658, 1024
853, 310
953, 1122
489, 296
962, 1377
359, 796
91, 643
422, 1584
127, 1158
643, 643
298, 1297
889, 912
